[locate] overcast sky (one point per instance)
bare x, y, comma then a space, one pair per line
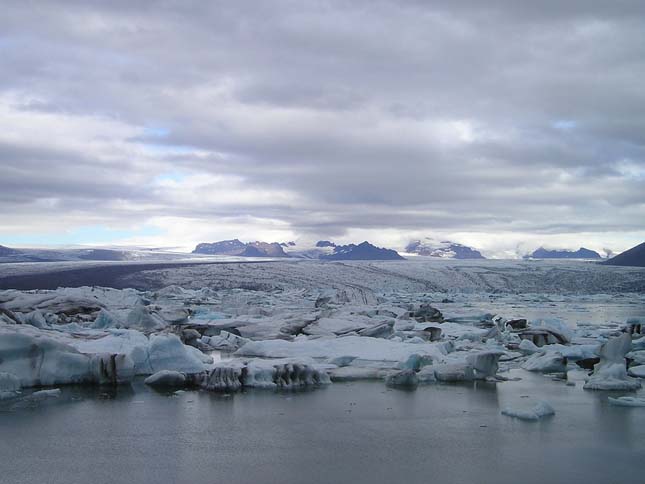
504, 125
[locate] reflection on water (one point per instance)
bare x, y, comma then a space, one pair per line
353, 432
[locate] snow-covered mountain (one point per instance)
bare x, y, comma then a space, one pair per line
239, 248
442, 249
581, 253
306, 249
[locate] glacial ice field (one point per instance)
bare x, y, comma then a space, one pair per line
476, 370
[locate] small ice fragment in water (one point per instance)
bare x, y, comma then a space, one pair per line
43, 394
627, 401
541, 409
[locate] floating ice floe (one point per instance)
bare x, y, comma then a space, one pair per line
611, 372
627, 401
540, 410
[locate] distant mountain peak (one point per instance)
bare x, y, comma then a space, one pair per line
581, 253
235, 247
362, 251
444, 249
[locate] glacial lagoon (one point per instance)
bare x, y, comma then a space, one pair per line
345, 432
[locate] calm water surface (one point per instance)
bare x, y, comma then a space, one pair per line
344, 433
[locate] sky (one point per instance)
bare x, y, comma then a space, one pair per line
503, 125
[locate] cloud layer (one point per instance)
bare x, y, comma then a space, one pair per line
497, 125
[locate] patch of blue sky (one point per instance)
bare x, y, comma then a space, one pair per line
564, 124
631, 169
156, 131
88, 234
170, 176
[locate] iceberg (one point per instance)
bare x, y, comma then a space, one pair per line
485, 364
37, 360
403, 378
453, 372
611, 372
285, 375
167, 352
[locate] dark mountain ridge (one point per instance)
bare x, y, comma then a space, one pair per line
634, 257
581, 253
362, 251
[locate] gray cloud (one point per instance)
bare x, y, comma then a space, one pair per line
450, 116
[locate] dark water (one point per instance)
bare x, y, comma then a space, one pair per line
355, 432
